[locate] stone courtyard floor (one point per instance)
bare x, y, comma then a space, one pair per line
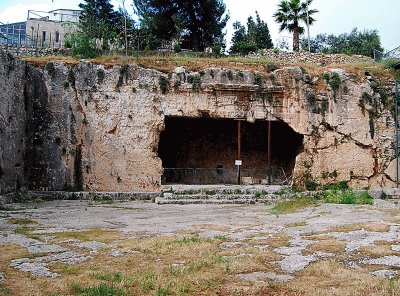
141, 248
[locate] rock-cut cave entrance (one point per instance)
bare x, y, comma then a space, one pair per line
204, 151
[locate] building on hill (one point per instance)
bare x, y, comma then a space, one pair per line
41, 29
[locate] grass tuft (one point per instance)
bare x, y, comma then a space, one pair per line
100, 290
294, 205
22, 221
347, 197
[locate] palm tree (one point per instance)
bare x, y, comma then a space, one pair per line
289, 15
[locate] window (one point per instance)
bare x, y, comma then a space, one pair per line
57, 37
43, 37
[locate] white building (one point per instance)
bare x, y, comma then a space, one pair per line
41, 29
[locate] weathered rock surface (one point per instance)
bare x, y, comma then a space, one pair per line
92, 128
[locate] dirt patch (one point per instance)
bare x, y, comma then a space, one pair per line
331, 278
367, 226
101, 235
296, 224
326, 245
281, 239
205, 227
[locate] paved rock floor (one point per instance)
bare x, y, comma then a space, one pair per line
353, 235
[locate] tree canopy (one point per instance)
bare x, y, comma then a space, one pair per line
195, 23
255, 37
290, 14
355, 42
99, 20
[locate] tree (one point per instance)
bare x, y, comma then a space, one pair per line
196, 23
259, 33
239, 38
255, 37
355, 42
99, 21
290, 14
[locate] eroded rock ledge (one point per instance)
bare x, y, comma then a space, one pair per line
92, 128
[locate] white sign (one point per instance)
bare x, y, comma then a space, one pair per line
238, 162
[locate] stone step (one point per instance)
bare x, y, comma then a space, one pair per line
205, 196
178, 190
163, 201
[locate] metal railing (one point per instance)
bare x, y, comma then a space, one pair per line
392, 54
211, 176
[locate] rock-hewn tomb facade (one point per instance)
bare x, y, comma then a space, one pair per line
91, 128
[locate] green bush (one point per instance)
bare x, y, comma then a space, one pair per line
347, 196
83, 47
177, 48
335, 81
311, 185
337, 186
67, 43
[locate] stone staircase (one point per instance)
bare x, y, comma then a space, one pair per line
178, 194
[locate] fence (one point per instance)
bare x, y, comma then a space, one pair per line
392, 54
209, 176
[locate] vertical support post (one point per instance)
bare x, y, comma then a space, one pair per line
269, 153
239, 148
397, 132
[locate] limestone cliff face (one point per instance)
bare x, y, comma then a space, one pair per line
87, 127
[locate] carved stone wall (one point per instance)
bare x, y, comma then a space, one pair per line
87, 127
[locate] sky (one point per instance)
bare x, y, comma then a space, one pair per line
334, 17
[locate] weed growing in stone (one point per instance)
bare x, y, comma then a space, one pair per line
4, 208
258, 79
384, 196
100, 76
123, 75
51, 70
196, 82
230, 75
164, 84
209, 192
